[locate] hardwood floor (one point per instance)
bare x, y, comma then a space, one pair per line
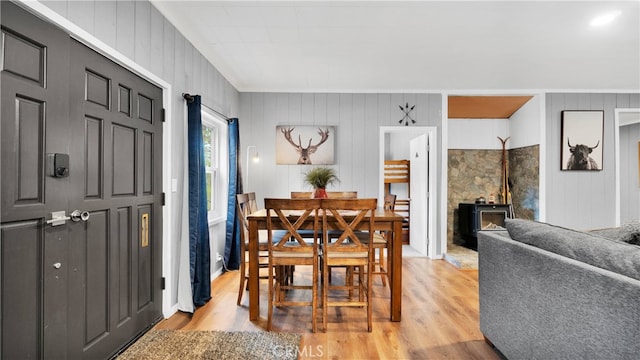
439, 318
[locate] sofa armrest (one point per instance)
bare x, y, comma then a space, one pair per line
535, 304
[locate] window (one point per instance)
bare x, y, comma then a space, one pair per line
214, 136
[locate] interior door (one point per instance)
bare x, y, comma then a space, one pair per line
419, 156
78, 133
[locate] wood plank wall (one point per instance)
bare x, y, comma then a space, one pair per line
357, 117
575, 199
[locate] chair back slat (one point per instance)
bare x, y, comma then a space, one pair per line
253, 203
348, 215
243, 209
286, 211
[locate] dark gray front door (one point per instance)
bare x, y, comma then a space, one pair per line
85, 288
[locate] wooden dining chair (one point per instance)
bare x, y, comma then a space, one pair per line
343, 217
291, 249
381, 243
245, 205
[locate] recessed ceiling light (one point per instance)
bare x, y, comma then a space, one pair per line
606, 18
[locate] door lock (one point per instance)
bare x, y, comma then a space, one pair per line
78, 215
58, 165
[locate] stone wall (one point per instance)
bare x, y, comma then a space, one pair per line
524, 170
472, 173
476, 173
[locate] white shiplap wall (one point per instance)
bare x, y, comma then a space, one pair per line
577, 199
137, 31
357, 118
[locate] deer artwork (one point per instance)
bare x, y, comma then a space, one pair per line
305, 153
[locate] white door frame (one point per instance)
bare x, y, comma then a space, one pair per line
616, 143
431, 132
110, 53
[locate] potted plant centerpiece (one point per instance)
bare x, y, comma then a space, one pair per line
319, 178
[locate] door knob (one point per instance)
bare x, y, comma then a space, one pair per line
78, 215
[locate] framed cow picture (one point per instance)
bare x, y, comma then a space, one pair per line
582, 140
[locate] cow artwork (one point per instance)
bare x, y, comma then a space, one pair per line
580, 158
581, 143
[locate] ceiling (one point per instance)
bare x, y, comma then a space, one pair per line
458, 47
484, 107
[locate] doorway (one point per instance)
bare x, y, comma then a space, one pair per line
78, 133
627, 151
419, 145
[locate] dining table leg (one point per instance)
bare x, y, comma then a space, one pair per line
254, 279
395, 272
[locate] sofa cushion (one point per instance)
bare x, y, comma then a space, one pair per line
591, 249
629, 233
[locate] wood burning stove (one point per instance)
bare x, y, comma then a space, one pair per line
475, 217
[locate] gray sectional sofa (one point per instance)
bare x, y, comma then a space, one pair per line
548, 292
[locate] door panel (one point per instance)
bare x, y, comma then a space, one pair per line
85, 288
25, 58
28, 128
123, 165
122, 283
94, 157
21, 254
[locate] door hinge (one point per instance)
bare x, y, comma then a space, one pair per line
162, 283
163, 199
163, 115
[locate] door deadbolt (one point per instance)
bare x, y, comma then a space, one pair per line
78, 215
58, 165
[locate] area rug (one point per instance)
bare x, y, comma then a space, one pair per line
182, 344
461, 257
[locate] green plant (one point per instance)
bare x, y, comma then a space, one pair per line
320, 177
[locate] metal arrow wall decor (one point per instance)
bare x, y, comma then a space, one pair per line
406, 110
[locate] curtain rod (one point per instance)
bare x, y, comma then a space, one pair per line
190, 99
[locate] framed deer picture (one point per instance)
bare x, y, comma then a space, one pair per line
305, 145
582, 137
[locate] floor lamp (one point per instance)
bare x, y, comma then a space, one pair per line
256, 159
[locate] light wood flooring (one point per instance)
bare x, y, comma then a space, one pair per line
439, 317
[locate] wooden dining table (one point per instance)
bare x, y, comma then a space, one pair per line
385, 220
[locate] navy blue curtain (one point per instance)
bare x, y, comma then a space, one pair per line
232, 241
199, 253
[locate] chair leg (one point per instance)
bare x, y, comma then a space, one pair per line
360, 282
243, 279
314, 296
369, 302
325, 295
271, 294
292, 268
382, 266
